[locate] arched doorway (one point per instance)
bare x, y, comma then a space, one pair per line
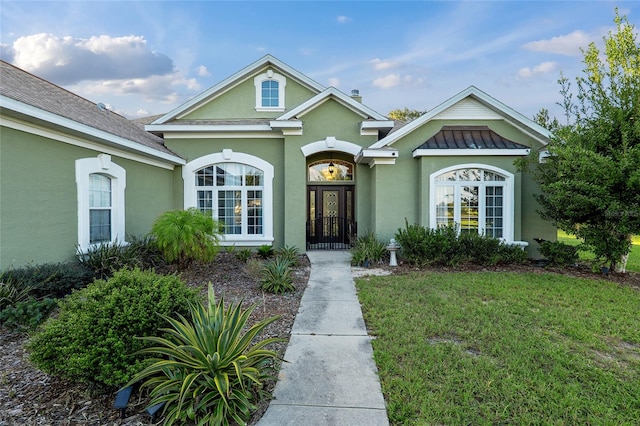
330, 203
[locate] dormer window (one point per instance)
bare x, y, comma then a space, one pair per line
270, 91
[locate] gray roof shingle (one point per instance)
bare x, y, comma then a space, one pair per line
34, 91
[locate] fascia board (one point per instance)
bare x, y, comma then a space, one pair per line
385, 124
517, 118
239, 76
469, 152
188, 128
89, 131
289, 124
377, 153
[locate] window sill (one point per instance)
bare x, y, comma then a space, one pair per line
244, 241
267, 109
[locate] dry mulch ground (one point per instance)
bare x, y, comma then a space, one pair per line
30, 397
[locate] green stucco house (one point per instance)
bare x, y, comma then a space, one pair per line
275, 156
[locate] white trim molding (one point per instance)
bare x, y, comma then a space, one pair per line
330, 143
229, 156
103, 165
469, 152
270, 75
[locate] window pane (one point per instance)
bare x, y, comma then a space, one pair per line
444, 205
99, 226
99, 190
470, 174
270, 93
230, 211
449, 176
493, 215
204, 177
469, 209
205, 202
229, 174
254, 212
253, 176
330, 171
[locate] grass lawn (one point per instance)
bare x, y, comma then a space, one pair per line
633, 264
504, 348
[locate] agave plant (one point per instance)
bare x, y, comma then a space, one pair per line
276, 276
206, 369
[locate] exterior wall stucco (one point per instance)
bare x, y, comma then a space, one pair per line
240, 101
38, 215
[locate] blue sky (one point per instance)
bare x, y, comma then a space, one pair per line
147, 57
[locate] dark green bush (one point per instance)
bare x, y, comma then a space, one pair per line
26, 314
559, 253
367, 249
276, 276
442, 246
145, 250
97, 328
424, 246
49, 279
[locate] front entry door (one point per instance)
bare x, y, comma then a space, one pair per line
330, 216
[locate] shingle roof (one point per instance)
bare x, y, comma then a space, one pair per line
469, 137
31, 90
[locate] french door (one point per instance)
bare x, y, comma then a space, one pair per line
330, 216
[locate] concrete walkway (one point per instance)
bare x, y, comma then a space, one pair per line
329, 377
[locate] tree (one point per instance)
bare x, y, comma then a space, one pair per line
591, 181
405, 114
542, 118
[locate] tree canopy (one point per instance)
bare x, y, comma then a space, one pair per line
405, 114
591, 181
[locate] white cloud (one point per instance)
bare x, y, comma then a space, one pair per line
68, 60
343, 19
203, 71
379, 64
387, 82
334, 82
569, 44
543, 68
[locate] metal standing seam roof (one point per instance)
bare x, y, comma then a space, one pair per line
34, 91
469, 137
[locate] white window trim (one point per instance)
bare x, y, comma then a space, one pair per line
282, 82
228, 156
508, 196
103, 165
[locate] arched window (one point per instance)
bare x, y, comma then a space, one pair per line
476, 198
330, 171
100, 186
235, 189
270, 91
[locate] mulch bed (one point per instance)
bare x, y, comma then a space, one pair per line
30, 397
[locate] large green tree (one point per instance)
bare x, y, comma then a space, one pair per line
591, 180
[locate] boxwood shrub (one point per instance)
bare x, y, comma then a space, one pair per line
98, 328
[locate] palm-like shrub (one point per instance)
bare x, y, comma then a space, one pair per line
367, 248
276, 276
186, 235
207, 368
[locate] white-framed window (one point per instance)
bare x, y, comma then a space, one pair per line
237, 190
100, 187
476, 198
270, 91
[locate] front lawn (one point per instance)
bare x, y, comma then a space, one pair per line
504, 348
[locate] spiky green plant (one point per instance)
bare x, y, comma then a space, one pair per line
289, 253
206, 369
276, 276
186, 235
265, 251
